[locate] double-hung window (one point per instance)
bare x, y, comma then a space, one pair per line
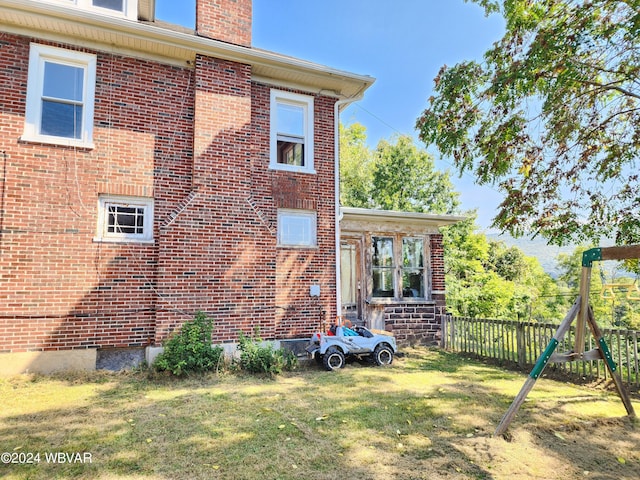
291, 122
125, 219
113, 5
60, 96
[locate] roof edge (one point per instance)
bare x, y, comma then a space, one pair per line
185, 43
365, 214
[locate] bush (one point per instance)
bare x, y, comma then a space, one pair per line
258, 358
190, 350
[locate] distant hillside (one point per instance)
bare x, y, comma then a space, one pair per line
547, 254
537, 247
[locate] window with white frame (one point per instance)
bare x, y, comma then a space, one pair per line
126, 8
60, 96
297, 228
125, 219
291, 132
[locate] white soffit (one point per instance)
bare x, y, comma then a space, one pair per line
169, 43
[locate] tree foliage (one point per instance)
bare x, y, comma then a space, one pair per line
356, 161
551, 117
490, 280
394, 176
483, 279
405, 179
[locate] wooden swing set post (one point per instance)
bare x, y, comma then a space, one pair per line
581, 322
581, 311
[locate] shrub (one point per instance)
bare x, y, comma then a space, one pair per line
258, 358
190, 350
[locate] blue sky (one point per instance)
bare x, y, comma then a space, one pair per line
401, 43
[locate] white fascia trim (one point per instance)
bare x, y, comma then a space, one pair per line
187, 43
404, 217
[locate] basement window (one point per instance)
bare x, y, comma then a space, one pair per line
124, 219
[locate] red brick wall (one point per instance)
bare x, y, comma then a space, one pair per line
296, 312
215, 256
58, 288
197, 141
226, 20
437, 271
220, 254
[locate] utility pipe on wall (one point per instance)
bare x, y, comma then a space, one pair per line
338, 213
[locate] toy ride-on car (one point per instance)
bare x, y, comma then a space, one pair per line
339, 343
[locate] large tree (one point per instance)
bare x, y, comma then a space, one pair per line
356, 160
405, 178
551, 117
395, 176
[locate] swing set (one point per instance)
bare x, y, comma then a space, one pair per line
610, 291
582, 312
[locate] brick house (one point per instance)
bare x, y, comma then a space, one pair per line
149, 171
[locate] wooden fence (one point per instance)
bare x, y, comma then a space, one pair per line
522, 343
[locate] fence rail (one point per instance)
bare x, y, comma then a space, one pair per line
522, 343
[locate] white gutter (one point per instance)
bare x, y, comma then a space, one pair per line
338, 211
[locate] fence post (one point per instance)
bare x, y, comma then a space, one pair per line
521, 347
445, 331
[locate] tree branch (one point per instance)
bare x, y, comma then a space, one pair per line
611, 86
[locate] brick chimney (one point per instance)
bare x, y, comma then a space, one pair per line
225, 20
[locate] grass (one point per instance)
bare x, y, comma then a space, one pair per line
430, 415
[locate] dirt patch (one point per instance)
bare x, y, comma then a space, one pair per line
603, 449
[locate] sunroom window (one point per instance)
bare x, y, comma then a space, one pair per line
383, 267
398, 268
413, 267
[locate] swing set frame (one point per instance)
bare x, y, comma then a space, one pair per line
582, 313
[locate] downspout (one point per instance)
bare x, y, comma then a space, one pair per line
338, 212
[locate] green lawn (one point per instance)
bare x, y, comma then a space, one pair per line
430, 415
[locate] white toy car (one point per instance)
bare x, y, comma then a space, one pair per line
360, 342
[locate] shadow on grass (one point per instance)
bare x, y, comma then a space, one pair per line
409, 421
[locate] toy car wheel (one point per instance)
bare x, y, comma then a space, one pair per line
333, 359
383, 355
